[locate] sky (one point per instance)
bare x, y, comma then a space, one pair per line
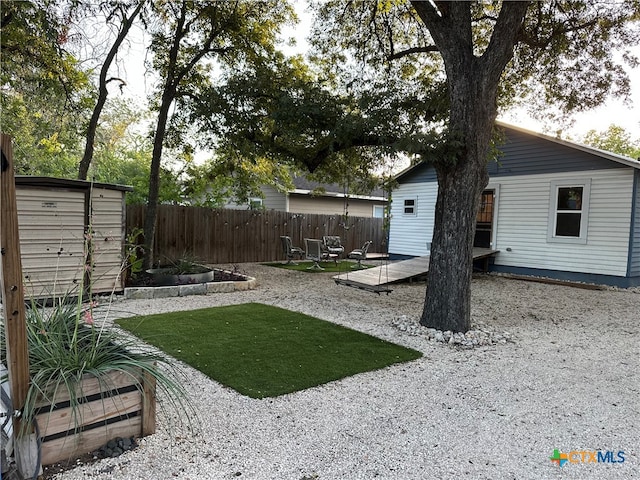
614, 111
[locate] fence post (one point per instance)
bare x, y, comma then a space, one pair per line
25, 450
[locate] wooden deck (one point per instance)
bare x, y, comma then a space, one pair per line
371, 278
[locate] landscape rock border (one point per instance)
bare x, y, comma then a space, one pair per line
479, 335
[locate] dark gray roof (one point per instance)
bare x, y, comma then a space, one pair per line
303, 183
614, 157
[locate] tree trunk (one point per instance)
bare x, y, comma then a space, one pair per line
154, 180
83, 168
448, 298
460, 185
473, 89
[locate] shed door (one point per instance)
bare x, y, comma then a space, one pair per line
51, 222
484, 220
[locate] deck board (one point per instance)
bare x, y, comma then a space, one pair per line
398, 271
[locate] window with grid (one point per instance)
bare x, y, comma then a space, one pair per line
568, 213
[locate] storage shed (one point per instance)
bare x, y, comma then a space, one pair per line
54, 216
552, 208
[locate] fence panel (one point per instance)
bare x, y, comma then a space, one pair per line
237, 236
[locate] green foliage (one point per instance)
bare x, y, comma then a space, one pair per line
34, 59
572, 56
263, 351
616, 140
133, 253
282, 113
188, 44
45, 93
47, 139
569, 57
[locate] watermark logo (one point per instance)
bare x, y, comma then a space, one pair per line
587, 456
559, 458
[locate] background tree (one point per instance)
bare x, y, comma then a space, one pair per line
43, 89
281, 113
121, 16
189, 42
615, 139
123, 154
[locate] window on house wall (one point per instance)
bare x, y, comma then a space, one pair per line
378, 211
255, 203
569, 211
410, 205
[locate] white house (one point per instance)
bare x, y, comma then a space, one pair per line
333, 200
552, 208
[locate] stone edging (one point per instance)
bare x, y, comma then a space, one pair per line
147, 293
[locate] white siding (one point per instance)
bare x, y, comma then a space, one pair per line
108, 234
634, 261
320, 205
274, 200
523, 215
523, 212
412, 234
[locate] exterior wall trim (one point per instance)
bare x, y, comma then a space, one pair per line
634, 215
597, 279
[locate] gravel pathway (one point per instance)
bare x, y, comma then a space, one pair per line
568, 378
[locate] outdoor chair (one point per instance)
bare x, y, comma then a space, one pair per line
290, 251
315, 253
333, 245
359, 254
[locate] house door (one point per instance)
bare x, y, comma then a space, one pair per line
484, 220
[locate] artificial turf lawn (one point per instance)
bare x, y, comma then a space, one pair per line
331, 267
264, 351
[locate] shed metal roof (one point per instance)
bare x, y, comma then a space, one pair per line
28, 180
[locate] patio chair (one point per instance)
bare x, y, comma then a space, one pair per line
359, 254
315, 253
333, 245
290, 251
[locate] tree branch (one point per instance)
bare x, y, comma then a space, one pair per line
532, 41
411, 51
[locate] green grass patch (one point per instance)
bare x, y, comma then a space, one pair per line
264, 351
331, 267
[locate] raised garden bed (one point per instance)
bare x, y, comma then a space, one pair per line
224, 281
116, 405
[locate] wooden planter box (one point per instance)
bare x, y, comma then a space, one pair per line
108, 409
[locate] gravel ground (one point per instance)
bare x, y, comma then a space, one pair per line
567, 379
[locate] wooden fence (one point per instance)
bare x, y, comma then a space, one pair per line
222, 236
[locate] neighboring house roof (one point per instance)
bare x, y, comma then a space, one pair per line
305, 186
614, 157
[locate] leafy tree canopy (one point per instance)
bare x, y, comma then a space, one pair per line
281, 111
569, 58
615, 139
43, 88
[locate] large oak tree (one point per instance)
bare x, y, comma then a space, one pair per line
557, 55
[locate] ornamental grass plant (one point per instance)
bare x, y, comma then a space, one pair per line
66, 345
